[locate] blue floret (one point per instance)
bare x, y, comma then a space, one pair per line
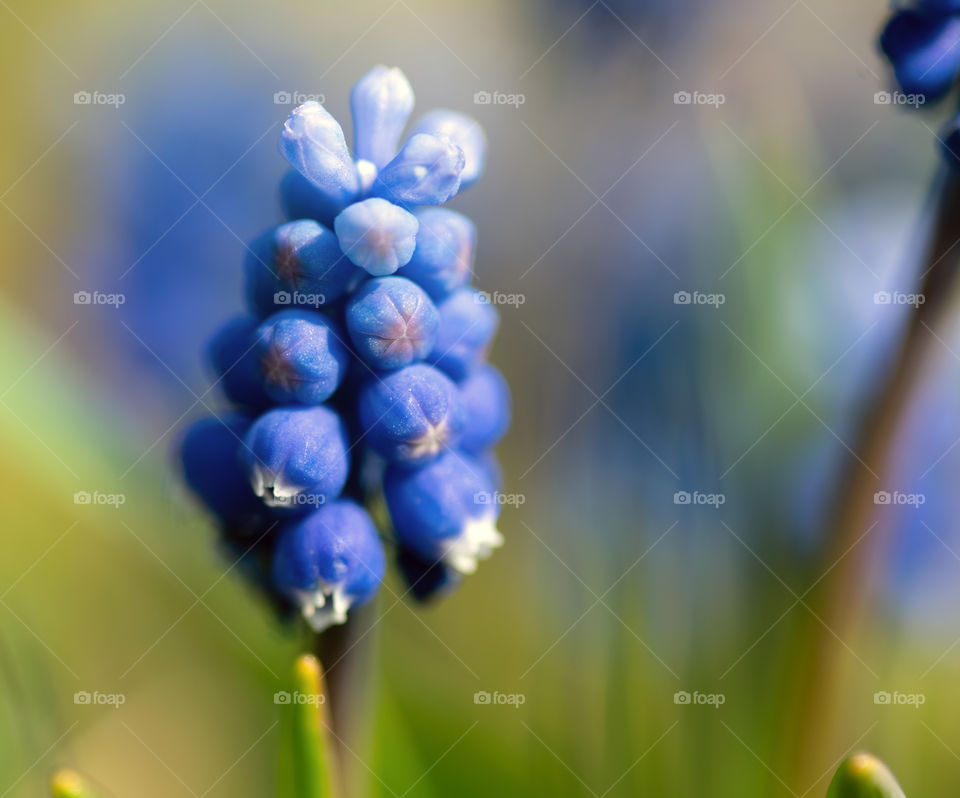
392, 322
445, 511
468, 323
329, 561
297, 456
312, 141
301, 356
380, 102
377, 235
411, 415
210, 458
426, 171
231, 354
463, 131
443, 258
486, 404
298, 263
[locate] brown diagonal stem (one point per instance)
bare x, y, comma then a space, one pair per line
841, 601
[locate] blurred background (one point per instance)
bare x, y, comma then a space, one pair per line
698, 203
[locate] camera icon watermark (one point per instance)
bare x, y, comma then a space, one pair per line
496, 698
496, 497
699, 98
896, 498
899, 98
698, 298
896, 698
499, 298
113, 100
114, 500
696, 698
898, 298
685, 497
299, 299
499, 98
296, 98
296, 697
98, 298
300, 500
96, 698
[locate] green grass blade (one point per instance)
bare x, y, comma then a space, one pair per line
313, 754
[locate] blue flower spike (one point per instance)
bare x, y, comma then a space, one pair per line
486, 402
463, 131
426, 171
381, 103
412, 415
328, 562
298, 263
377, 235
443, 258
312, 141
445, 512
924, 49
302, 358
297, 457
468, 323
361, 366
392, 322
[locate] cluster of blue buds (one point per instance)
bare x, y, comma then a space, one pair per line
359, 378
922, 43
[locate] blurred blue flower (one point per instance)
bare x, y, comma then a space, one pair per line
924, 48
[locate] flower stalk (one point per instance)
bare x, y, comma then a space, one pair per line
856, 547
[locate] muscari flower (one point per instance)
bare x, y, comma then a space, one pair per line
361, 324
